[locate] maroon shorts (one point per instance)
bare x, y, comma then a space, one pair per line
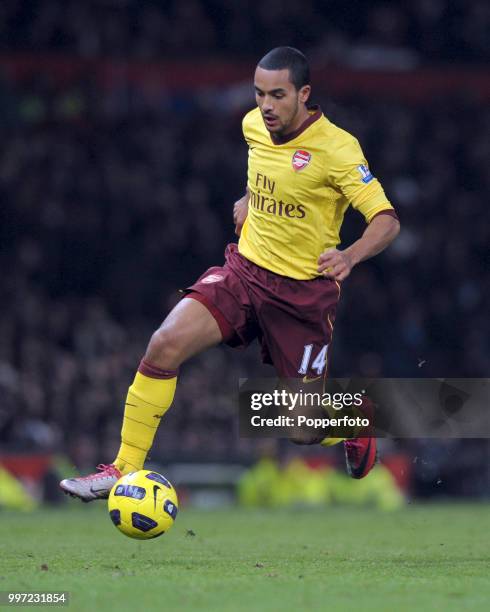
292, 319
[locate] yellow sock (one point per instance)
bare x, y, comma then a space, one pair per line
331, 441
147, 401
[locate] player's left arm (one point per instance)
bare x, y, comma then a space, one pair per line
348, 171
382, 230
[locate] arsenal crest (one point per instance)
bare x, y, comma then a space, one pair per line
301, 159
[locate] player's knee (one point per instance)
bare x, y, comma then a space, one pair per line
165, 349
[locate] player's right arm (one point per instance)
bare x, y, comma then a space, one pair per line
240, 211
240, 208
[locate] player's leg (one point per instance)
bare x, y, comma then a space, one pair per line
360, 452
294, 358
188, 329
298, 339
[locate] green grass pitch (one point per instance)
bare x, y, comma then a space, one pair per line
433, 557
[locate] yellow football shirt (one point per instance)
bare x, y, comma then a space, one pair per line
299, 192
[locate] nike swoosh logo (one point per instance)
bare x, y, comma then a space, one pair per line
105, 492
362, 467
357, 472
307, 380
156, 488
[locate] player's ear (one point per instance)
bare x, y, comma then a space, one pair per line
304, 93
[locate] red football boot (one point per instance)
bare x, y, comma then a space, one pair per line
360, 456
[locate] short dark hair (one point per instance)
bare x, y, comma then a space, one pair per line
290, 58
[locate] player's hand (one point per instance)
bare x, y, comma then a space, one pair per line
240, 211
335, 264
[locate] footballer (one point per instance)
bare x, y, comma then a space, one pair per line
281, 283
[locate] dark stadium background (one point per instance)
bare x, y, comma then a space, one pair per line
121, 156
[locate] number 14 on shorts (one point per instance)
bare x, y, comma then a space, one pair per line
319, 361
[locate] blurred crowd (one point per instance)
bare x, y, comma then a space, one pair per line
115, 197
380, 32
109, 208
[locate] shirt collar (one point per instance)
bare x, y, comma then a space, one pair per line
315, 114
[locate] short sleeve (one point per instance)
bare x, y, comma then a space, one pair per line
247, 126
348, 171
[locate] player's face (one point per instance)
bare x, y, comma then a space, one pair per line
281, 104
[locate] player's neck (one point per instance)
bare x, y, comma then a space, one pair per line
301, 122
301, 116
